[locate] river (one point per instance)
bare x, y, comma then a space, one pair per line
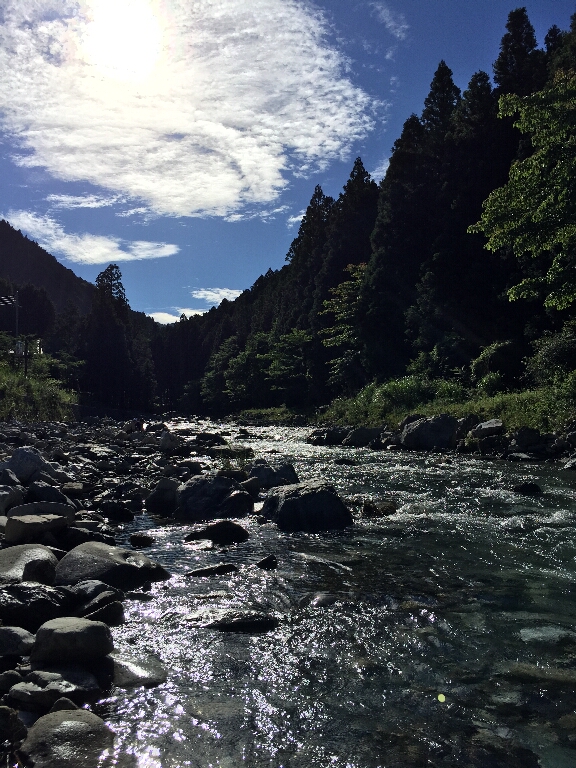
446, 636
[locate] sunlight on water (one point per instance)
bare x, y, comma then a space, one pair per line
427, 645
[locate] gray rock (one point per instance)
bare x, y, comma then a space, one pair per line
43, 508
268, 563
63, 704
39, 491
111, 614
86, 591
311, 507
27, 562
379, 508
162, 500
7, 477
208, 497
15, 641
528, 489
272, 477
362, 436
10, 496
487, 429
25, 462
436, 432
121, 568
250, 622
141, 540
8, 679
213, 570
43, 688
169, 442
67, 739
29, 605
525, 438
26, 529
222, 532
130, 672
71, 639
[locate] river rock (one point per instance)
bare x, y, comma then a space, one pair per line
362, 436
8, 679
169, 442
130, 672
213, 570
116, 510
67, 739
208, 497
10, 496
434, 433
63, 704
43, 688
311, 507
29, 605
250, 622
272, 477
268, 563
525, 439
25, 462
27, 529
7, 477
379, 508
15, 641
222, 532
121, 568
487, 429
141, 540
162, 500
533, 673
43, 508
71, 639
27, 562
528, 489
38, 491
329, 436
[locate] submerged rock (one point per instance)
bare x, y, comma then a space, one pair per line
252, 622
213, 570
131, 672
310, 507
223, 532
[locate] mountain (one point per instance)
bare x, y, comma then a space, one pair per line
24, 262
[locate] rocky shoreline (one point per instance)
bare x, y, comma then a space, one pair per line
66, 492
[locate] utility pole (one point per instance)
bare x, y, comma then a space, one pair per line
16, 313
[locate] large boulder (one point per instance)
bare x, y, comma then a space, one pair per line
162, 500
29, 605
26, 529
272, 477
69, 639
434, 433
39, 491
43, 508
117, 567
67, 739
311, 507
27, 562
487, 429
26, 462
208, 497
362, 436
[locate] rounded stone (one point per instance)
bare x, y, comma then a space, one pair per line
70, 639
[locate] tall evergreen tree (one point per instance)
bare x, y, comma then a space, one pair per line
520, 67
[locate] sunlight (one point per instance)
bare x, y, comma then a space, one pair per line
123, 38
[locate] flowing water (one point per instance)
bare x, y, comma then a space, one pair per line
446, 636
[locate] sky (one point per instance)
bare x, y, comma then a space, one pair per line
183, 139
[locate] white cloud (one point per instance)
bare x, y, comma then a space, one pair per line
292, 220
85, 248
215, 295
167, 317
197, 108
85, 201
379, 172
394, 22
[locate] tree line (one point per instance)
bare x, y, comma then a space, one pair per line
459, 264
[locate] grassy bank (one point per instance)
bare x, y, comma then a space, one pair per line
545, 408
36, 398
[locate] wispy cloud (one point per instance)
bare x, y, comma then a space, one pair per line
215, 295
199, 108
379, 172
85, 248
394, 22
292, 220
85, 201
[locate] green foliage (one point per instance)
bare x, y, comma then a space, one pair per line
554, 356
490, 360
32, 399
491, 384
534, 214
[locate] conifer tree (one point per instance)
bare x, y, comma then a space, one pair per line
520, 67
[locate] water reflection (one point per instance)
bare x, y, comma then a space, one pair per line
409, 658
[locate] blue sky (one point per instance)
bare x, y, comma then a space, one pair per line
183, 140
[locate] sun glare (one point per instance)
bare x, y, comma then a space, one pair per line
123, 38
